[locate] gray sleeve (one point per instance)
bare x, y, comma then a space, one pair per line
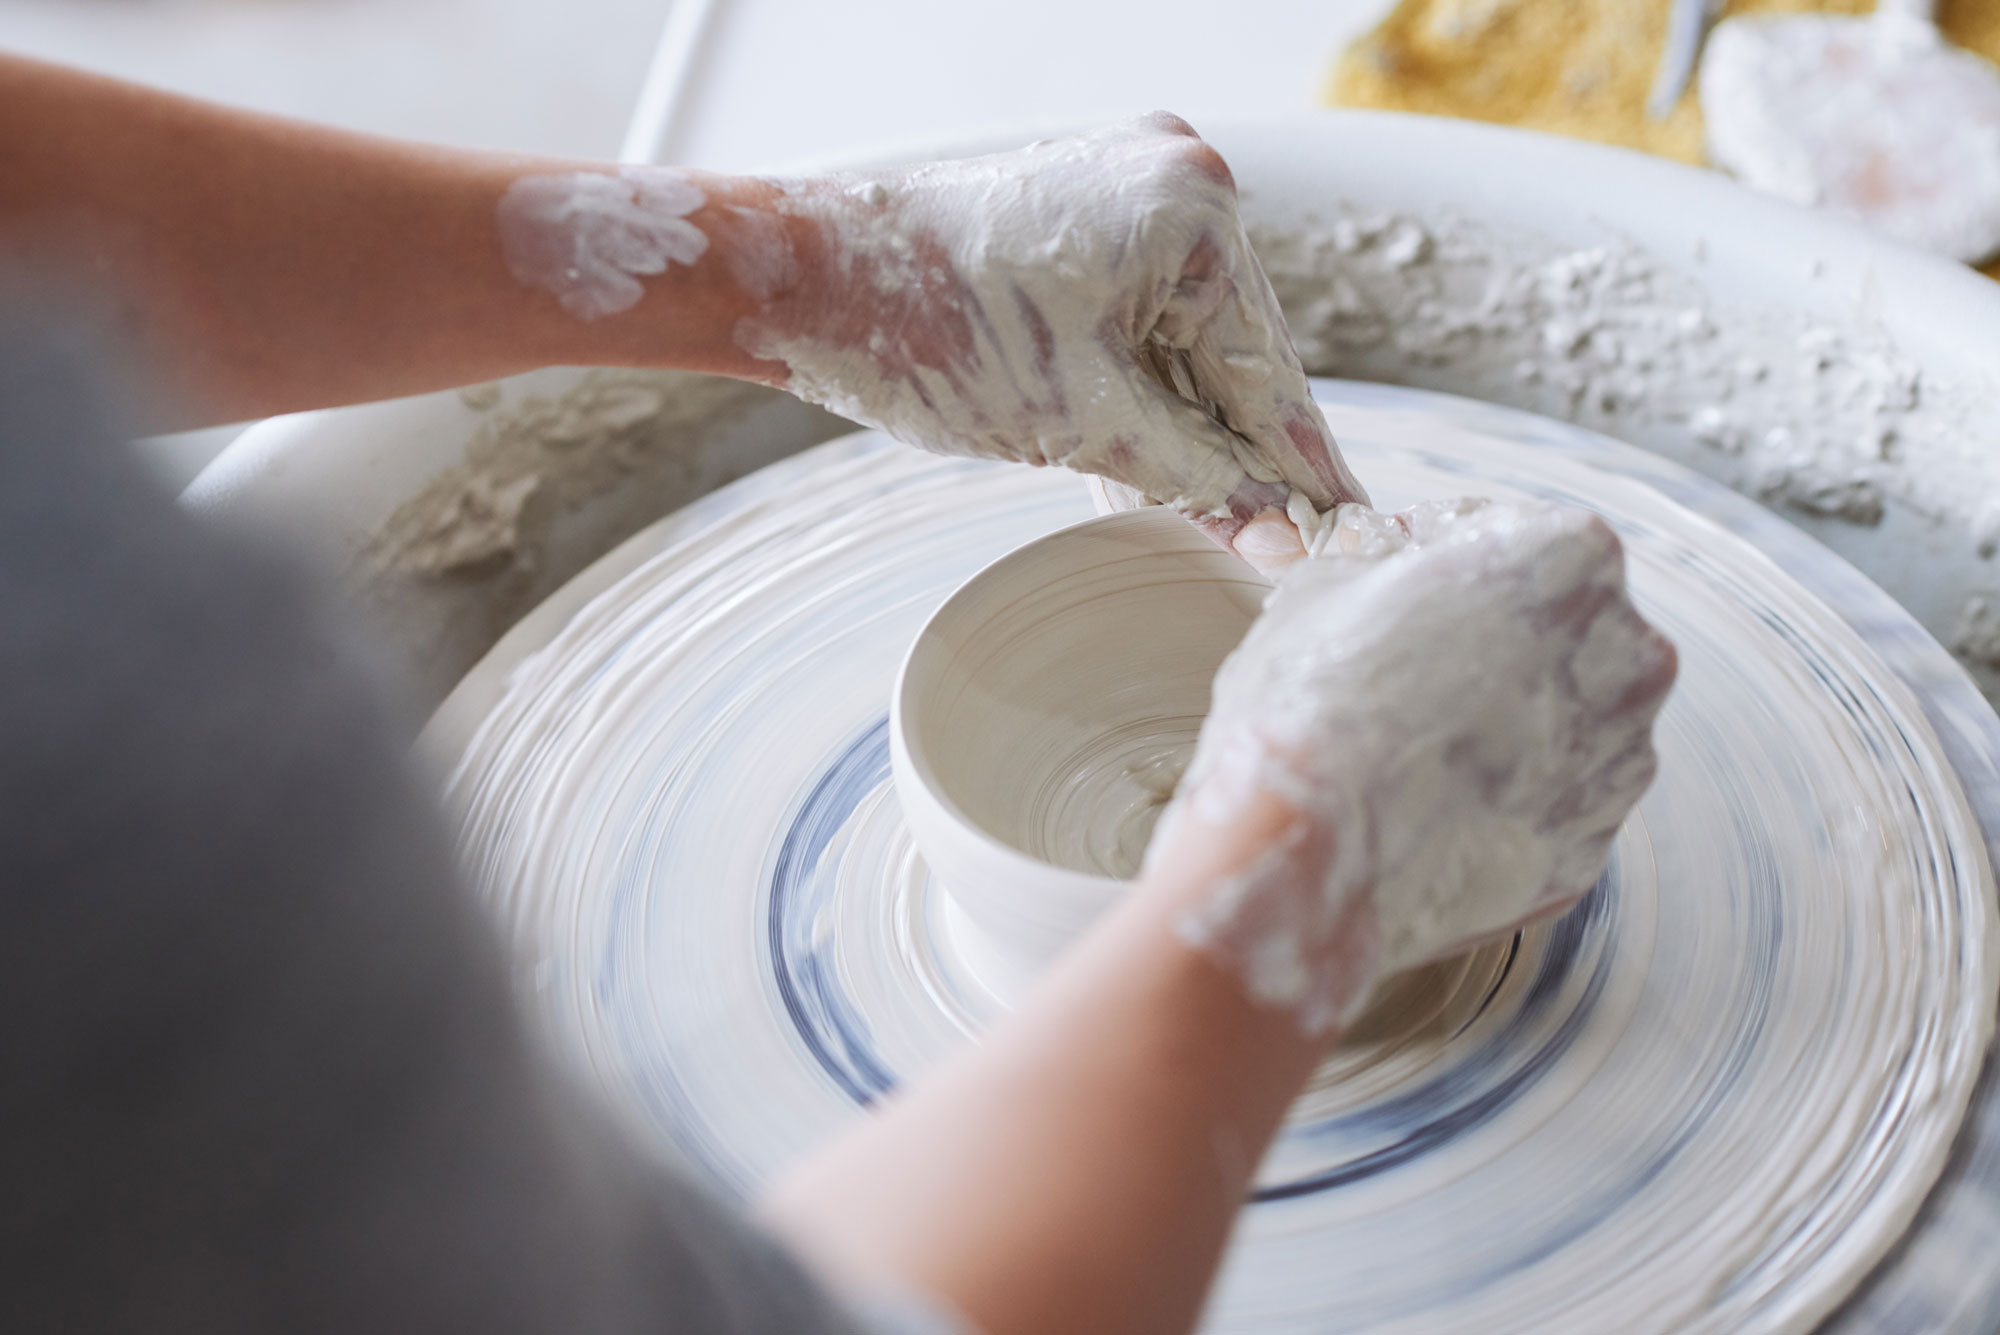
260, 1069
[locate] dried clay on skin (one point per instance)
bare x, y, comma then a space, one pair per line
1458, 702
588, 237
1014, 307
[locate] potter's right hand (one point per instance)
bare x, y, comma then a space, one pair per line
1438, 726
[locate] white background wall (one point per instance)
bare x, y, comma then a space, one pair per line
774, 79
554, 76
786, 78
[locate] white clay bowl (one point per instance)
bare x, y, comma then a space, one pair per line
1043, 715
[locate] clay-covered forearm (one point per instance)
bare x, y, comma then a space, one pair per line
1091, 302
1082, 1169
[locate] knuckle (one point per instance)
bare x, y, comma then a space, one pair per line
1664, 659
1165, 122
1199, 156
1588, 531
1177, 154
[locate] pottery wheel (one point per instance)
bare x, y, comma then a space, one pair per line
1712, 1097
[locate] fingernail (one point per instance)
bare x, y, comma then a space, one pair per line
1269, 541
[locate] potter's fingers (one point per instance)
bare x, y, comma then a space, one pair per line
1553, 903
1184, 457
1242, 364
1109, 497
1618, 665
1619, 761
1624, 669
1656, 664
1269, 541
1546, 911
1290, 431
1559, 566
1253, 524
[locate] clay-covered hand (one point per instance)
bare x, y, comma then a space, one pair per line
1453, 708
1091, 302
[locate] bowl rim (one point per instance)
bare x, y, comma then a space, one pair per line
907, 755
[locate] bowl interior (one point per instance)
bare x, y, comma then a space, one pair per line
1053, 700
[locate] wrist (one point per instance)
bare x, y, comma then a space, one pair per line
1170, 1006
1263, 890
646, 265
847, 297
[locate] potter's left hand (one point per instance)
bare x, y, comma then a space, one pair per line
1090, 301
